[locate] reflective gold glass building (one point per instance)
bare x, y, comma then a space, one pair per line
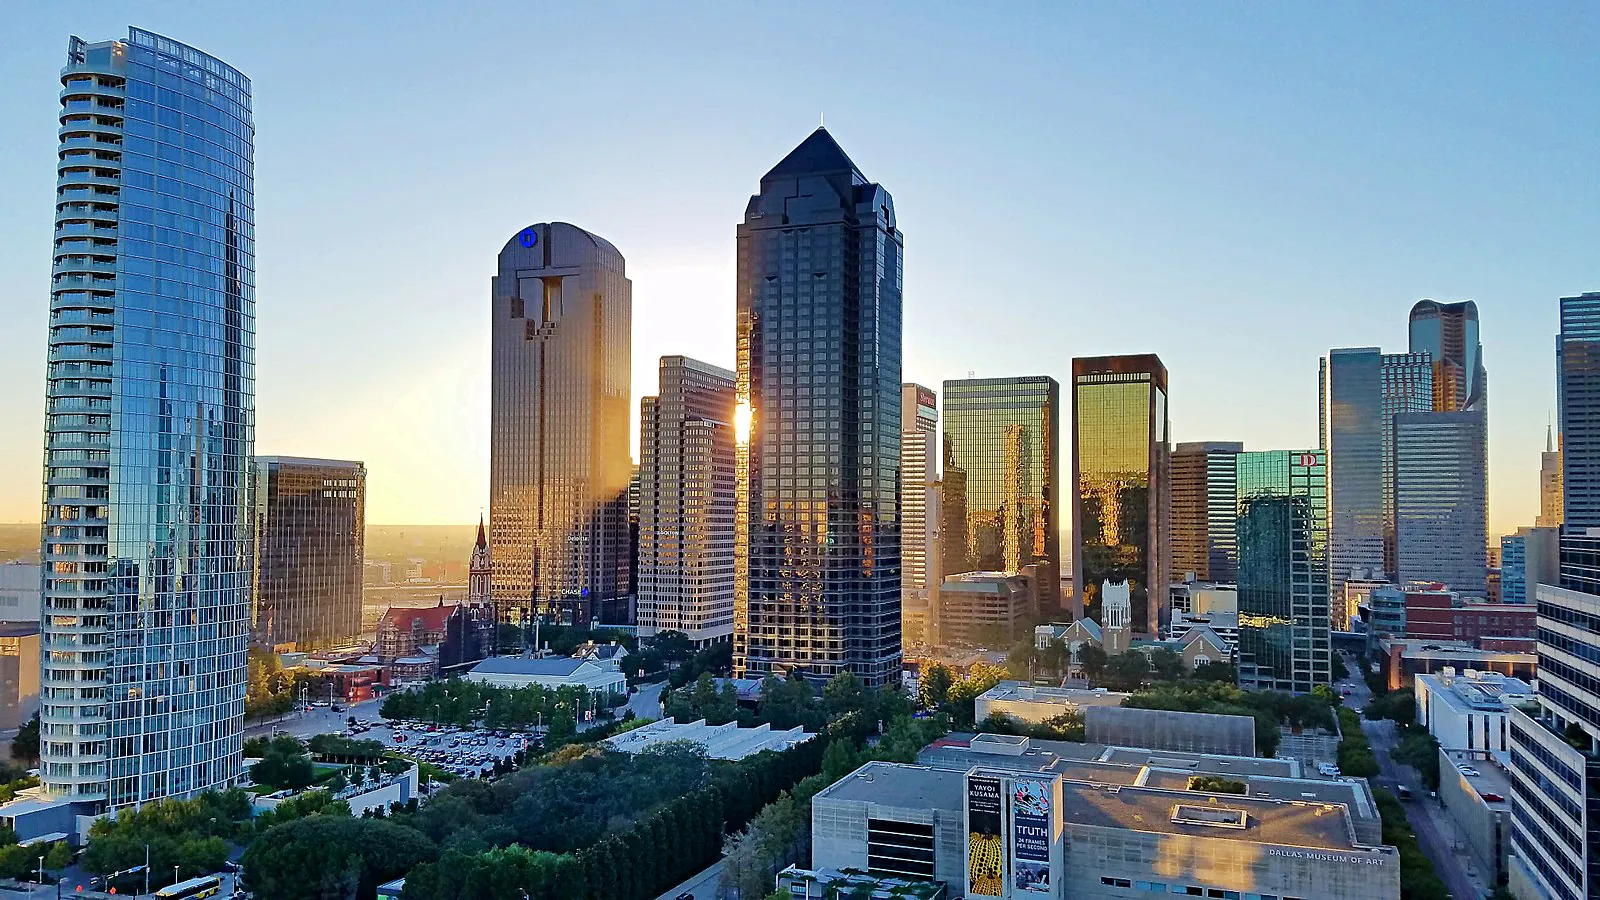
1000, 440
310, 540
1120, 459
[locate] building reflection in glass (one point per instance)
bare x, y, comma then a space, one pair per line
310, 540
1000, 495
1120, 460
1282, 533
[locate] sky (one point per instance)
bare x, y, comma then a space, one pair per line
1235, 186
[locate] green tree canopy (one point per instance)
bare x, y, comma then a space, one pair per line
331, 858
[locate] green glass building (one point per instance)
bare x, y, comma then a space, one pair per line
1282, 532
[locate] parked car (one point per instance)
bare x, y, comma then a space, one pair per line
1469, 771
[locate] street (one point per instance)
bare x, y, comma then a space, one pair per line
1383, 735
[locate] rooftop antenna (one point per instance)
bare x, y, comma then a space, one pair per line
821, 119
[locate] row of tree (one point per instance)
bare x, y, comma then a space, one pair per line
460, 702
673, 840
786, 703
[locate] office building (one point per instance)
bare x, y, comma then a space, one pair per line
19, 675
19, 591
151, 426
986, 609
1284, 640
1203, 508
310, 536
1448, 333
686, 503
1549, 484
818, 295
1348, 616
919, 506
1120, 512
560, 366
1467, 710
1001, 435
1432, 613
1004, 816
1362, 390
1555, 765
1441, 510
1529, 558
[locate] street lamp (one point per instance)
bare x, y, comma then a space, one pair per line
41, 870
175, 873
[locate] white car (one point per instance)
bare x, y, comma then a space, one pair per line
1469, 771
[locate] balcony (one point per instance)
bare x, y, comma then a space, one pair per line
95, 141
79, 352
94, 212
77, 264
84, 283
93, 89
79, 178
87, 128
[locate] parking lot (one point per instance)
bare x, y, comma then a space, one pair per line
465, 752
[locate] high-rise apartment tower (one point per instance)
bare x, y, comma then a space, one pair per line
150, 426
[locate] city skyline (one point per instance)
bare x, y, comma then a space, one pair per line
417, 405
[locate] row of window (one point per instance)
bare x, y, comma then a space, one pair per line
1189, 890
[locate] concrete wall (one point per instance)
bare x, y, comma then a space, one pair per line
839, 836
1182, 861
1477, 821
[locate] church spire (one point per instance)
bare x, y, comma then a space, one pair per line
482, 541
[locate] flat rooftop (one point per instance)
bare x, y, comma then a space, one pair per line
1291, 823
896, 784
1202, 763
1491, 779
1016, 690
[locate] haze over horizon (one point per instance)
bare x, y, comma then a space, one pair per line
1237, 196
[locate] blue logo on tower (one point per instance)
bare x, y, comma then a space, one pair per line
528, 237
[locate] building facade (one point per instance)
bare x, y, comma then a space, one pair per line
1284, 639
1441, 509
986, 609
19, 591
1001, 435
817, 554
150, 425
1204, 505
562, 308
1530, 557
1578, 410
1362, 390
1448, 333
686, 503
1467, 710
1120, 511
920, 515
310, 537
1549, 485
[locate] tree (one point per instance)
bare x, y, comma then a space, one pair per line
327, 858
1340, 671
59, 856
1093, 659
843, 693
934, 688
1127, 671
1165, 664
286, 765
26, 744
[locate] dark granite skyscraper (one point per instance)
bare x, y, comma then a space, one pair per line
310, 540
558, 432
817, 555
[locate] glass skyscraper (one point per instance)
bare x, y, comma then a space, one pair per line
1441, 530
1555, 759
1362, 389
310, 540
1204, 505
150, 426
1002, 435
817, 562
686, 503
561, 338
1448, 333
1282, 528
1120, 479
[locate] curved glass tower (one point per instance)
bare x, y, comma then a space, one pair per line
150, 425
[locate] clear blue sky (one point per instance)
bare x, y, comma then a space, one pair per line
1235, 186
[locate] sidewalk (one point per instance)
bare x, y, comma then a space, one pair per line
1445, 826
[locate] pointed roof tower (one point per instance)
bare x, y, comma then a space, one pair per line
482, 540
818, 154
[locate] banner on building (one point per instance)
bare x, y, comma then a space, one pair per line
985, 845
1030, 836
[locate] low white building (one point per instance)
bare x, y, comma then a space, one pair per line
1468, 711
727, 741
599, 676
1035, 704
